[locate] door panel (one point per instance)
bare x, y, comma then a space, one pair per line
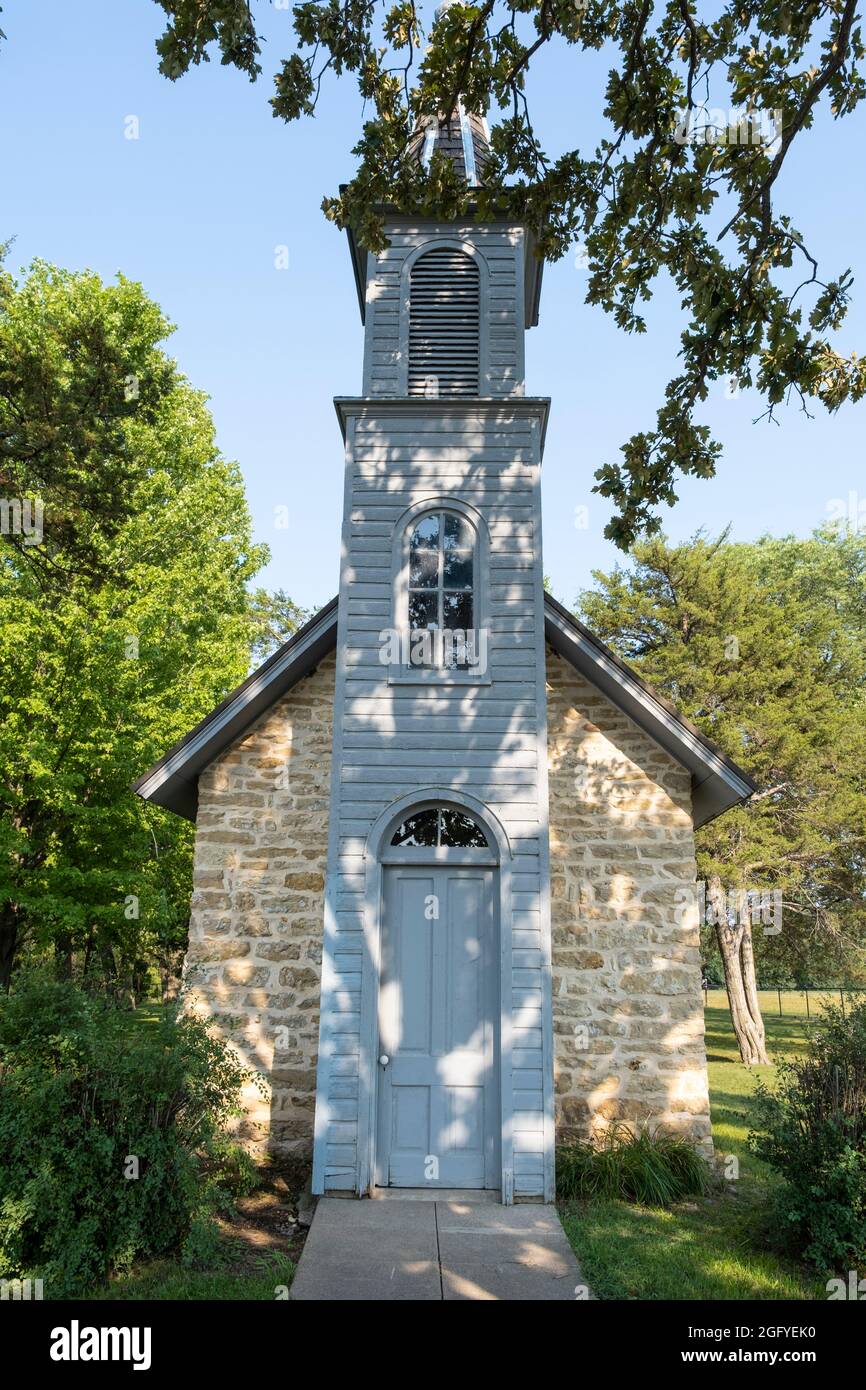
438, 1120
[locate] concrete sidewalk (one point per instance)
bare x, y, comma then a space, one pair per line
429, 1250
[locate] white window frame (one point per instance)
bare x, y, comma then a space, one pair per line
400, 673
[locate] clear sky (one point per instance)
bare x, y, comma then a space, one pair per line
199, 207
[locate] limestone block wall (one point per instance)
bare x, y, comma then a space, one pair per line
255, 946
627, 1007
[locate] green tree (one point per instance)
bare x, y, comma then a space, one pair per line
119, 630
274, 617
701, 112
80, 366
763, 646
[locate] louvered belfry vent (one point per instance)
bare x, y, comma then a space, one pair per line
444, 324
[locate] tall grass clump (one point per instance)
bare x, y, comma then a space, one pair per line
650, 1167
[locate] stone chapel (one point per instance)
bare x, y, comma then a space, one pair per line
444, 896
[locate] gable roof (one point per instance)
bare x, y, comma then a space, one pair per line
717, 782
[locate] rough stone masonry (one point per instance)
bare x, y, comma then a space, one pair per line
627, 1009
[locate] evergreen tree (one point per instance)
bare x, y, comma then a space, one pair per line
763, 646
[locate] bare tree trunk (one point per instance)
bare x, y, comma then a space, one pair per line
738, 960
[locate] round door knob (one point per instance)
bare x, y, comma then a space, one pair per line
384, 1060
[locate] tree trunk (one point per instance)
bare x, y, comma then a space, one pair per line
8, 943
63, 956
738, 959
109, 967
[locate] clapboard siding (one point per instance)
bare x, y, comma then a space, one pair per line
499, 250
393, 740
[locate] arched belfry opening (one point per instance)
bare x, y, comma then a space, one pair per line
444, 324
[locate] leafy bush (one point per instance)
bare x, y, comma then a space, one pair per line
88, 1097
812, 1130
650, 1167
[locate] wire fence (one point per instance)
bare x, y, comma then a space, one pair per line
787, 1003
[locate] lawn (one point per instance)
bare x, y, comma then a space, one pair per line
167, 1279
714, 1247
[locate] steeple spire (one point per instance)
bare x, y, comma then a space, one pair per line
462, 136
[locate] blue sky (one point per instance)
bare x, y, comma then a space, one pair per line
197, 206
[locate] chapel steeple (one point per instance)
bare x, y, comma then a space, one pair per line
463, 138
460, 135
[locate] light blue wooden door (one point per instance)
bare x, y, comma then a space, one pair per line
438, 1121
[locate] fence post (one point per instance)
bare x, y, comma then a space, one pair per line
806, 991
779, 992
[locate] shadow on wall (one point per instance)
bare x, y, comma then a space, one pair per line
627, 1004
628, 1018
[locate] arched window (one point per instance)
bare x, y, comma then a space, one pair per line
438, 827
444, 324
442, 575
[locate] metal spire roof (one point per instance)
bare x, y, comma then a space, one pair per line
460, 135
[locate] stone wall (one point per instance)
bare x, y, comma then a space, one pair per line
627, 1007
255, 952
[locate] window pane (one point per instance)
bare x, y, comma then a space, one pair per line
423, 610
424, 569
457, 611
458, 829
426, 534
420, 829
458, 533
458, 569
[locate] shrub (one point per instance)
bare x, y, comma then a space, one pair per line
812, 1130
88, 1097
650, 1167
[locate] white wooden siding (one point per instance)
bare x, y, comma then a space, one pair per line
500, 250
392, 740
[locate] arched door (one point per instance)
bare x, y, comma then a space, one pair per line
438, 1112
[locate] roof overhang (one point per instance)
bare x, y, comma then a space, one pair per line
717, 782
533, 269
173, 781
443, 408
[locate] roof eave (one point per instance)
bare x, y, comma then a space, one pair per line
717, 782
173, 781
537, 407
534, 269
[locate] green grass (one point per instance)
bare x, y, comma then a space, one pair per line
794, 1002
713, 1247
168, 1279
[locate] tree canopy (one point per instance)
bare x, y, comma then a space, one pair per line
125, 623
763, 646
701, 109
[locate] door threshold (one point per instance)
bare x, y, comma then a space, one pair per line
474, 1195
